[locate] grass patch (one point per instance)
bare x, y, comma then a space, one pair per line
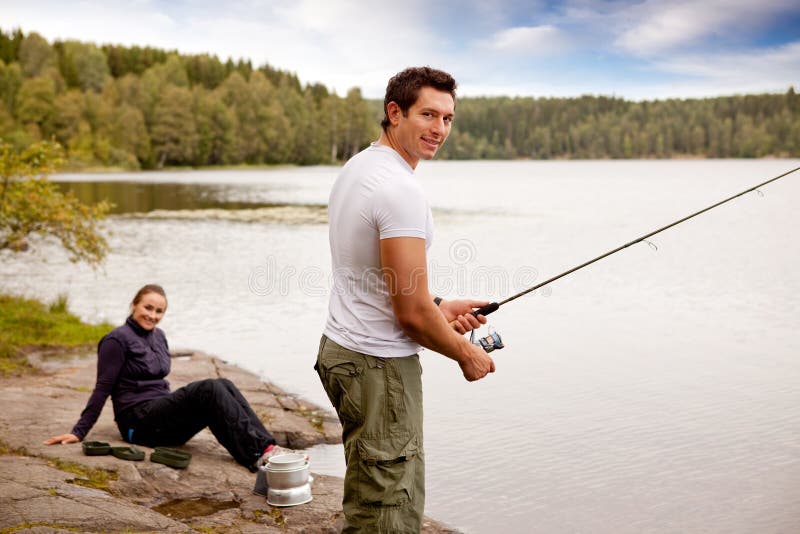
274, 513
88, 477
265, 417
28, 526
8, 450
59, 305
277, 516
27, 323
315, 419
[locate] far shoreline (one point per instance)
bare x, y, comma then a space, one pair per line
278, 166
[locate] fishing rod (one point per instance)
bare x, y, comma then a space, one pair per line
494, 306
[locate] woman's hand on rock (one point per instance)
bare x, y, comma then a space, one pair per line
63, 438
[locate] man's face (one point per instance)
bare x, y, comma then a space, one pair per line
427, 124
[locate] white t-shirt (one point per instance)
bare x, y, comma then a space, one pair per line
374, 197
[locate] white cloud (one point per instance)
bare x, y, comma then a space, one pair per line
340, 44
529, 40
691, 75
141, 22
658, 26
346, 41
361, 43
767, 70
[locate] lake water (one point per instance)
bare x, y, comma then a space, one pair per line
655, 391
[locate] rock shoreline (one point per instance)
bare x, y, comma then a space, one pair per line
59, 489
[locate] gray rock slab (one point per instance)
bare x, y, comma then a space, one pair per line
34, 493
38, 494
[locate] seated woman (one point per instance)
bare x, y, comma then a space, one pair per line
132, 361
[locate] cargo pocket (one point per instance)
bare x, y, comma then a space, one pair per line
342, 381
386, 470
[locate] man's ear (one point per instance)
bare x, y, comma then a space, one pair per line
393, 111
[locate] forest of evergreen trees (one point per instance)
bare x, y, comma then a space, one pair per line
137, 107
747, 126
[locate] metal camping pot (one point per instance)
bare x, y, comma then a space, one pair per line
289, 497
287, 478
286, 462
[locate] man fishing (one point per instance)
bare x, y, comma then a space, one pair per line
381, 313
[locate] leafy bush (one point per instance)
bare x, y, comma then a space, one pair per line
32, 205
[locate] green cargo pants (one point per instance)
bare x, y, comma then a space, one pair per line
379, 403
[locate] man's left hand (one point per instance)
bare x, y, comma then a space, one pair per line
459, 314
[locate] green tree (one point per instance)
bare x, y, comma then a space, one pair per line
128, 90
358, 128
154, 83
134, 60
7, 123
129, 133
239, 113
36, 55
216, 129
240, 98
9, 45
10, 82
274, 127
312, 143
68, 115
83, 65
297, 115
31, 205
35, 103
792, 100
81, 145
173, 133
205, 70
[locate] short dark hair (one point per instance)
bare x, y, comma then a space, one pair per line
149, 288
403, 88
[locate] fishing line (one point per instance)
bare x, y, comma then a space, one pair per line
494, 306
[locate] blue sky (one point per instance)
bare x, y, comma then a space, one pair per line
632, 49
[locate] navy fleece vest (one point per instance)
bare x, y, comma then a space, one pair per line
131, 365
147, 362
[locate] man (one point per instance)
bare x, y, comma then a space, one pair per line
381, 312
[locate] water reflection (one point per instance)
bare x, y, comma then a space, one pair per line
139, 197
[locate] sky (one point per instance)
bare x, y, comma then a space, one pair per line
639, 50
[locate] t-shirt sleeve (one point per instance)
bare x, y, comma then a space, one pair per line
400, 210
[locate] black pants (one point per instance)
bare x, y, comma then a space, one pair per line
213, 403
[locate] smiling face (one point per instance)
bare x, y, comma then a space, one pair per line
149, 310
420, 132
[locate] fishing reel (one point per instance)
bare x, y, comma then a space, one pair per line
488, 343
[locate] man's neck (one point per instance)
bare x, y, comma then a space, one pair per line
387, 139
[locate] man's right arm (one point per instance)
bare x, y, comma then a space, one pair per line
403, 260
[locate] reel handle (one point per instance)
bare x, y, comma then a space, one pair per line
486, 310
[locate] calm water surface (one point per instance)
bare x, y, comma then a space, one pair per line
656, 391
